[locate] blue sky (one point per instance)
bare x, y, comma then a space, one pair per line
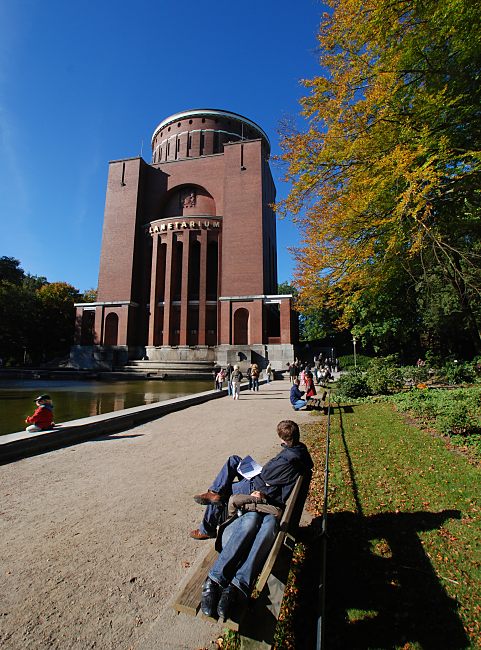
87, 82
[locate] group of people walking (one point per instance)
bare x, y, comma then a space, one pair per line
233, 375
321, 370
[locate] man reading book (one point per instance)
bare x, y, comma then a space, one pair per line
274, 481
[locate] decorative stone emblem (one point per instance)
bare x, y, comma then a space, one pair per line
188, 199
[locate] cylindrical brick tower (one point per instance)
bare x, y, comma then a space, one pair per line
201, 132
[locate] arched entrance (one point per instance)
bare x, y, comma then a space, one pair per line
87, 331
111, 329
241, 327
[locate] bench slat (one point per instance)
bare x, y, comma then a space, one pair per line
189, 596
256, 624
284, 527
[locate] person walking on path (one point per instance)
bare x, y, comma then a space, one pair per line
255, 372
42, 419
249, 377
219, 379
269, 372
236, 379
275, 480
293, 372
228, 374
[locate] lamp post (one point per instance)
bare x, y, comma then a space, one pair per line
354, 341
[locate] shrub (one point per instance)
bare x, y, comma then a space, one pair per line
422, 403
433, 360
454, 411
455, 372
383, 377
346, 362
352, 385
457, 419
414, 374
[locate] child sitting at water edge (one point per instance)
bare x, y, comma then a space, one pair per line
42, 419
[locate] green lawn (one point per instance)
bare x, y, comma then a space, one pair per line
404, 536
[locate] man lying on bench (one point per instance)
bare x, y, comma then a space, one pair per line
247, 540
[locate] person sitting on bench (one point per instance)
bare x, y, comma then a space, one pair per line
275, 481
245, 544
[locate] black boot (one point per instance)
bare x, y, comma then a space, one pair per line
211, 592
230, 598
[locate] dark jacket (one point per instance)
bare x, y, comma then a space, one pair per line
295, 394
279, 475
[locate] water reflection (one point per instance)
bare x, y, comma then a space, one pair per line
79, 399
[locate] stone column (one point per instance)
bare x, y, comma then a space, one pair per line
285, 316
168, 289
184, 292
99, 325
202, 286
154, 309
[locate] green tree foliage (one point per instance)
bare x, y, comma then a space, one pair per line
314, 323
386, 178
19, 314
89, 296
57, 314
37, 318
10, 270
285, 288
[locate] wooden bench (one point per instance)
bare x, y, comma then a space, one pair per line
257, 621
318, 402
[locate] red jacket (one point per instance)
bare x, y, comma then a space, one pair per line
43, 417
310, 388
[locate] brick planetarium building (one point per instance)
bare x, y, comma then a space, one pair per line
188, 267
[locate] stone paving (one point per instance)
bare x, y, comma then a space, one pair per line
94, 537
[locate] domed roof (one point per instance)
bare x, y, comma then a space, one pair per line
210, 112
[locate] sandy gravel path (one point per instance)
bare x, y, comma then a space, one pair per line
94, 537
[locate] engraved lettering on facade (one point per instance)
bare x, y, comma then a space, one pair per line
182, 225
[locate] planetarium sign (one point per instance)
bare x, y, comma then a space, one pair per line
191, 224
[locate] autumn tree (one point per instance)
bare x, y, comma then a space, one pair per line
386, 177
57, 318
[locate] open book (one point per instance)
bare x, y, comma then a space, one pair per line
248, 467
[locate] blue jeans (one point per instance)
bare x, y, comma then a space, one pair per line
228, 481
229, 387
246, 543
255, 383
298, 404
